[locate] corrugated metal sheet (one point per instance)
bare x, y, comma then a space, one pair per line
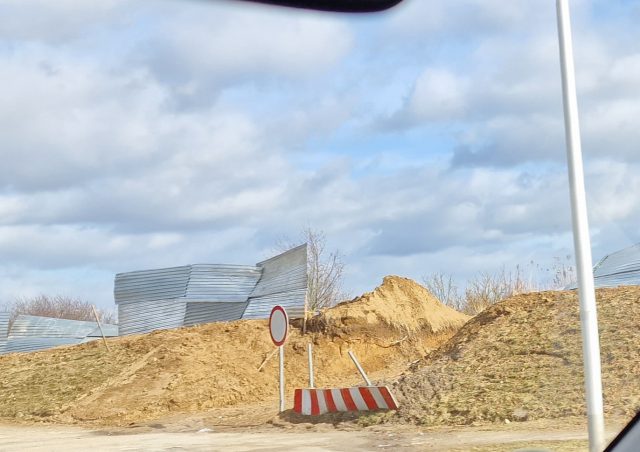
108, 330
292, 301
31, 344
222, 283
147, 285
207, 282
29, 333
621, 268
282, 273
144, 316
4, 325
36, 326
198, 313
283, 282
168, 298
4, 330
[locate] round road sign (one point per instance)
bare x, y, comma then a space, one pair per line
278, 325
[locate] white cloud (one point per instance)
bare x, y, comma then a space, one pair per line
108, 165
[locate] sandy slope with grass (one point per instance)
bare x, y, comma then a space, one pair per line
522, 359
216, 365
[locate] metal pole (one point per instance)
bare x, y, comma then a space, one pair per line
281, 378
581, 240
310, 355
100, 327
359, 367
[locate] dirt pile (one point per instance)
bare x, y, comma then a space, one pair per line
522, 359
398, 304
201, 368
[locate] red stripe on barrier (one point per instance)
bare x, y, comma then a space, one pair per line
348, 401
297, 401
368, 398
315, 409
331, 405
387, 398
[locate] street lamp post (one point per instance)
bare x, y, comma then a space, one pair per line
581, 239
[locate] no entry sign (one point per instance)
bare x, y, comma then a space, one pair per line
278, 325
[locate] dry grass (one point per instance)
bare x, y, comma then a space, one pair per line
523, 358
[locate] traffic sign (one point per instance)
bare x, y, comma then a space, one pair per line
278, 325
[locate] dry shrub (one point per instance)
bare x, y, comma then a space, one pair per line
59, 307
325, 269
481, 292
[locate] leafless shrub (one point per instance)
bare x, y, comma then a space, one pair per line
481, 291
564, 274
325, 269
60, 307
444, 289
485, 290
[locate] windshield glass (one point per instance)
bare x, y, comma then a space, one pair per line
419, 152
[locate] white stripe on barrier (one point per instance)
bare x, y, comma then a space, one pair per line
306, 402
322, 402
375, 392
337, 399
361, 405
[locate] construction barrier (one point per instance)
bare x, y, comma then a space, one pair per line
363, 398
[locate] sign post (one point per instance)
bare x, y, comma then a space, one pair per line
279, 329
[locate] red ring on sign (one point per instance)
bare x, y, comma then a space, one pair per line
286, 325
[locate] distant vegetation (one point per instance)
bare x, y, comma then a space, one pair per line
58, 306
486, 289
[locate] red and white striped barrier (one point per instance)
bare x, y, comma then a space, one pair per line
364, 398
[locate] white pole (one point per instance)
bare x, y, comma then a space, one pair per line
359, 367
281, 378
581, 240
310, 354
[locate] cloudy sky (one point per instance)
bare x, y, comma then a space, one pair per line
429, 138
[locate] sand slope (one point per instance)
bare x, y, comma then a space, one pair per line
522, 358
399, 303
211, 366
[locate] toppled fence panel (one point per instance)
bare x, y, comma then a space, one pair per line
148, 300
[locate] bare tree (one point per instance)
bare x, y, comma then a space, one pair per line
60, 307
325, 269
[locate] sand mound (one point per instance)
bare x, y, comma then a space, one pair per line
400, 304
202, 368
522, 359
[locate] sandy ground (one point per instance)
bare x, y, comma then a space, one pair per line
69, 438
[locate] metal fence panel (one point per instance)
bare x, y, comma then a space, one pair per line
198, 313
625, 263
109, 330
283, 282
292, 301
222, 283
37, 326
283, 273
148, 285
4, 330
621, 268
168, 298
31, 344
145, 316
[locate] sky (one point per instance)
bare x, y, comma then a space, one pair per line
426, 139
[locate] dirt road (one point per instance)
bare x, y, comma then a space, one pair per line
58, 438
